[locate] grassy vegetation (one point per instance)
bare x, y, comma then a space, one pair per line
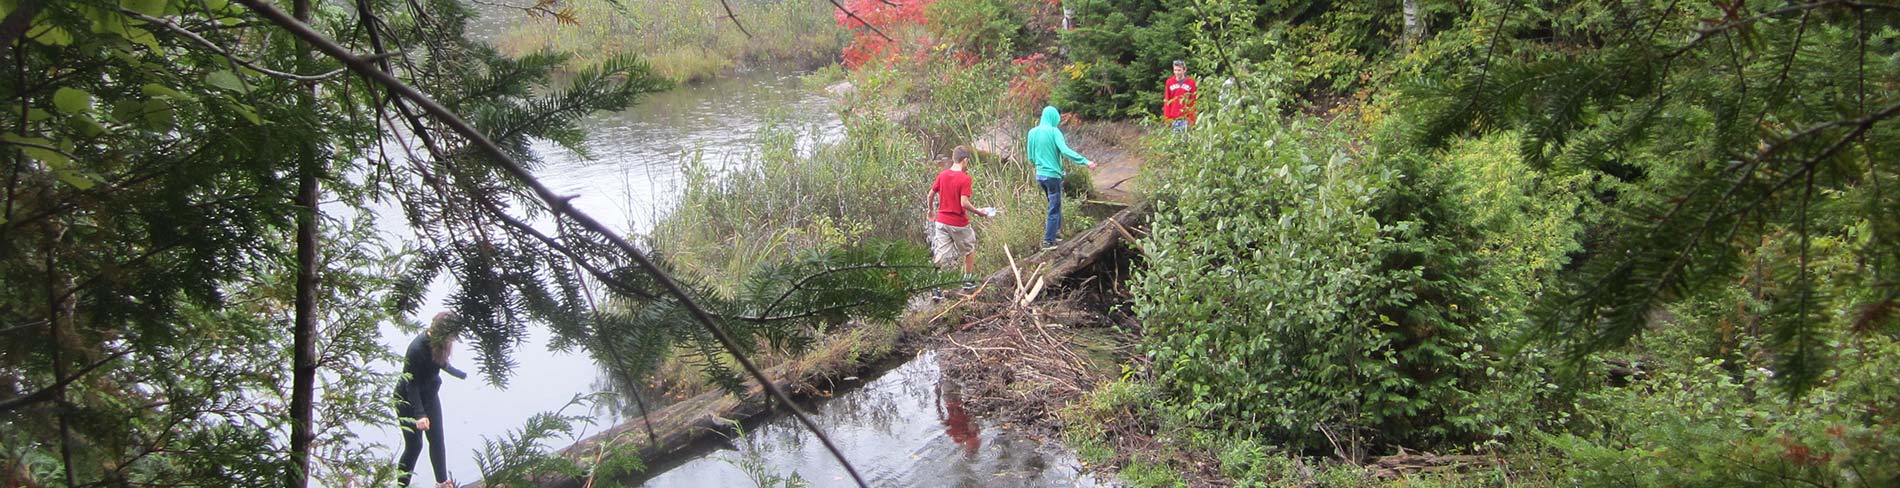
868, 185
688, 40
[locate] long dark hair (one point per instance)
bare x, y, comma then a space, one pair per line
442, 334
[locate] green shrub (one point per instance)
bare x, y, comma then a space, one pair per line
868, 185
1703, 425
989, 28
1122, 50
1292, 287
727, 225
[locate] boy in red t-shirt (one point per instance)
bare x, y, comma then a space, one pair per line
1179, 93
950, 234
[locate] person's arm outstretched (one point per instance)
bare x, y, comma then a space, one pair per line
1062, 144
972, 208
458, 374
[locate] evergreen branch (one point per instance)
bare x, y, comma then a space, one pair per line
575, 256
558, 205
1484, 66
1861, 125
834, 308
47, 393
181, 30
1704, 34
808, 278
1787, 65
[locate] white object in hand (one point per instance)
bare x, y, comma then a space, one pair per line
990, 211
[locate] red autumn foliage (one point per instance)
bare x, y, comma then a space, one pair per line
1030, 87
890, 17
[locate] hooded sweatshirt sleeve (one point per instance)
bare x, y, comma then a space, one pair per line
1047, 146
1062, 144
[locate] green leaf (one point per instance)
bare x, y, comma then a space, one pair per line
76, 178
153, 8
40, 150
158, 115
225, 79
72, 100
248, 113
127, 111
157, 90
85, 125
50, 35
142, 37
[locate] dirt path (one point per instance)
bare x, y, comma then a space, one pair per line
1116, 150
1114, 147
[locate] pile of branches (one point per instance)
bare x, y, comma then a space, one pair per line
1014, 355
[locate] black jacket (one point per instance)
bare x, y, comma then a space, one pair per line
424, 375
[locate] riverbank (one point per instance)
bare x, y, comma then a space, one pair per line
689, 41
1089, 263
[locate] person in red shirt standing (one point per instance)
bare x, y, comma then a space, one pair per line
951, 237
1178, 99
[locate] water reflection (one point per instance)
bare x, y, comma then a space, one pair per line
957, 423
632, 180
906, 428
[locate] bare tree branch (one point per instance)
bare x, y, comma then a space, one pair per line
47, 393
214, 47
735, 18
860, 20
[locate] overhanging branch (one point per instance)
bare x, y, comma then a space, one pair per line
556, 204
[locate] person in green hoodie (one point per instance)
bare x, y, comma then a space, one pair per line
1047, 147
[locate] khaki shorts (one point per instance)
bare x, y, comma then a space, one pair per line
948, 243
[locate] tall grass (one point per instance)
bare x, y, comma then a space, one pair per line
871, 184
686, 40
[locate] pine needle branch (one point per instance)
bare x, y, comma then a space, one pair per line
556, 204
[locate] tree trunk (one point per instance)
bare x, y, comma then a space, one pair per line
303, 336
1414, 25
16, 24
58, 311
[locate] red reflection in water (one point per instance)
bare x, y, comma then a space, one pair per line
957, 423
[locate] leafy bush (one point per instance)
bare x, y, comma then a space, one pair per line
1296, 291
1122, 51
1703, 425
990, 28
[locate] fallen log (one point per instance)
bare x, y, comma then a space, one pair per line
682, 424
1075, 254
1398, 466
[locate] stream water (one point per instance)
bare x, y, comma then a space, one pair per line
900, 429
904, 428
633, 179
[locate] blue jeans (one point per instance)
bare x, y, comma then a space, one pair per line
1180, 125
1052, 187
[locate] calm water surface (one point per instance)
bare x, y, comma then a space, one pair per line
903, 428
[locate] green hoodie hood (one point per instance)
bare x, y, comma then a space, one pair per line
1047, 146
